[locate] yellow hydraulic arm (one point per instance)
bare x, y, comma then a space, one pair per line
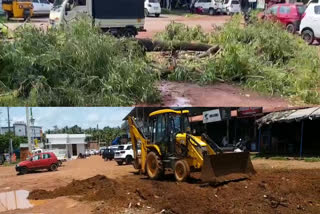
138, 137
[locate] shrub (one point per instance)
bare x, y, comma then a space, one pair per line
73, 66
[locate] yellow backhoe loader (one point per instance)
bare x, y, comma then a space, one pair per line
172, 147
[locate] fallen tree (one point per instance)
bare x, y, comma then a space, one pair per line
157, 46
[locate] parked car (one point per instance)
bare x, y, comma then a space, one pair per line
41, 7
61, 154
289, 14
231, 7
46, 160
108, 154
209, 6
152, 7
310, 23
124, 154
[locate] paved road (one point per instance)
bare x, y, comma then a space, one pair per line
152, 24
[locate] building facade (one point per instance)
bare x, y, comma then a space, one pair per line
73, 143
20, 129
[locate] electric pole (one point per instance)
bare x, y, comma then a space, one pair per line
10, 140
28, 130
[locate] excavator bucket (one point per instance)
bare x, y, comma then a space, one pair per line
226, 167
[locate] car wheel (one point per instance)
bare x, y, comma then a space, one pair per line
291, 28
120, 163
146, 13
8, 16
23, 170
308, 36
53, 167
129, 32
157, 14
128, 159
211, 12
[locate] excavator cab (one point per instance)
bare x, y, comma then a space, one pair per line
171, 147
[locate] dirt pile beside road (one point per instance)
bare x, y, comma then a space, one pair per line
98, 187
269, 191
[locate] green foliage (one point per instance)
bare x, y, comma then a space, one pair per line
16, 141
261, 56
177, 32
73, 66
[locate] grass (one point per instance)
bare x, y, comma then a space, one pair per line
73, 66
261, 56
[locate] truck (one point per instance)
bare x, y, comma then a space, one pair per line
120, 18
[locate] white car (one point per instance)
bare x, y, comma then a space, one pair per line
231, 7
310, 23
41, 7
152, 7
209, 6
124, 154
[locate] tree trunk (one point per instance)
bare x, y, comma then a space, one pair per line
156, 45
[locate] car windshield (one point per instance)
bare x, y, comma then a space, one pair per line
301, 9
57, 3
153, 1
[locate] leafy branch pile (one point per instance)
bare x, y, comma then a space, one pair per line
75, 66
261, 56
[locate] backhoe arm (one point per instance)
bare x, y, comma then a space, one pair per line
137, 136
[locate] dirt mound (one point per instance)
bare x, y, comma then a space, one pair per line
98, 187
269, 191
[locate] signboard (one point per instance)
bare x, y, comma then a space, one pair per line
249, 111
211, 116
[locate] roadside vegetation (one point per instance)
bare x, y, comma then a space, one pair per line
76, 66
80, 66
261, 56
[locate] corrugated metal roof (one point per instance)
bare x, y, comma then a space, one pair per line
290, 115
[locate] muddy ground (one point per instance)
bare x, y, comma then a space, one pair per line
95, 186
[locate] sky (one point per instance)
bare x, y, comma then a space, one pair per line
85, 117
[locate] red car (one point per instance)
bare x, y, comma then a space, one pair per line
46, 160
288, 14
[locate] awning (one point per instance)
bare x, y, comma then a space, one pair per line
290, 115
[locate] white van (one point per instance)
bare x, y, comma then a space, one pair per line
231, 7
310, 23
209, 6
152, 7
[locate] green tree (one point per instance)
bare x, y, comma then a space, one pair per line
16, 141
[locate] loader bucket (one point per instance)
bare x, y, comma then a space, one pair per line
226, 167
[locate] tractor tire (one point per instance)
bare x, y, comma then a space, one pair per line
119, 163
181, 170
23, 171
154, 166
291, 28
308, 36
128, 159
53, 167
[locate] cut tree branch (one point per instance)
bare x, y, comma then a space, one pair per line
157, 45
